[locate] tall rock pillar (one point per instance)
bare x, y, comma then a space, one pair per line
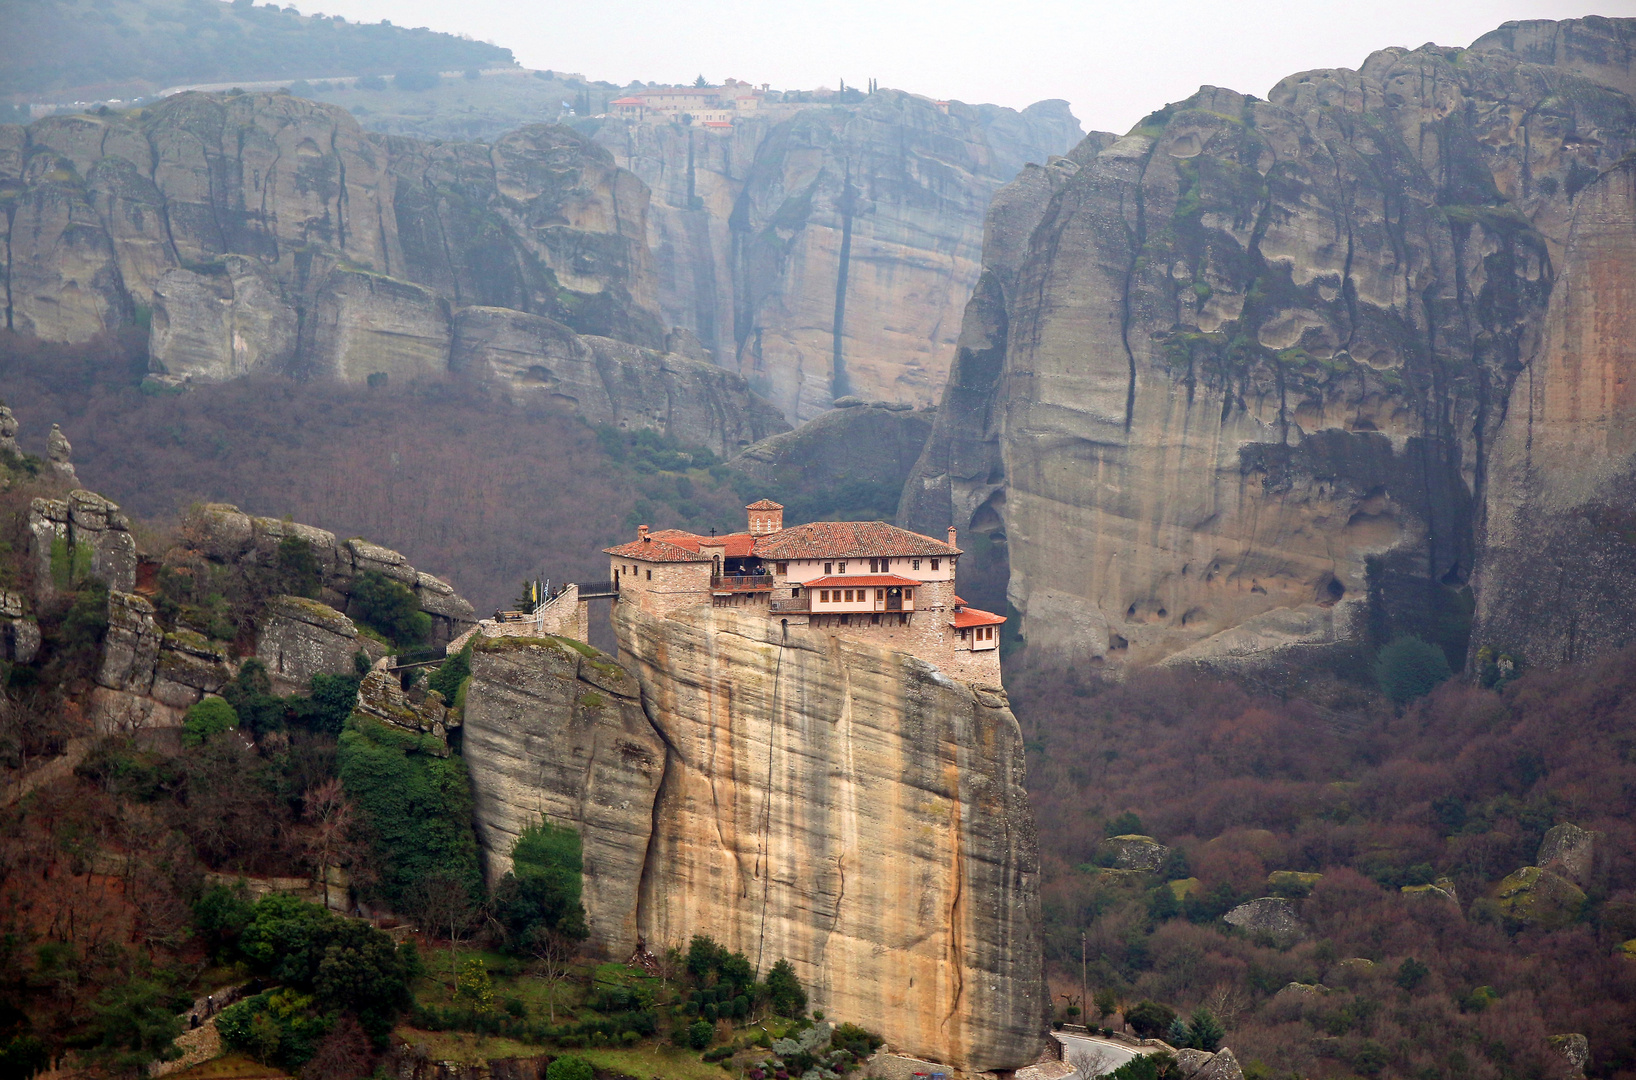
854, 811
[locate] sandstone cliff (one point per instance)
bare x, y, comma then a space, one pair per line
828, 251
555, 729
855, 811
263, 233
1557, 569
1241, 388
841, 805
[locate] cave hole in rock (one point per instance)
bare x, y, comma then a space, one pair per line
1335, 589
1117, 641
1162, 613
1130, 612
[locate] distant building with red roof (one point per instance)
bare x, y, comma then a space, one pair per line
865, 580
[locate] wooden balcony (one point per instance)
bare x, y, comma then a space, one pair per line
741, 583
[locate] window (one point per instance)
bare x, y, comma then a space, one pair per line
650, 575
781, 568
823, 596
962, 635
880, 594
934, 563
842, 570
829, 568
849, 596
908, 594
917, 564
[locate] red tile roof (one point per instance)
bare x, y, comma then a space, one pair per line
738, 545
627, 101
847, 540
973, 617
871, 580
654, 550
765, 504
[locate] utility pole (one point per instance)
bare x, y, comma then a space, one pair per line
1084, 1002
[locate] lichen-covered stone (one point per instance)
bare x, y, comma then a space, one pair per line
299, 638
1570, 851
1201, 1065
1540, 898
552, 732
1270, 916
130, 648
83, 536
1133, 852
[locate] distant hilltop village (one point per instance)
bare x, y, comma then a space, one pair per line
719, 106
863, 580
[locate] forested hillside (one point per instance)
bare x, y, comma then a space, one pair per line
1422, 946
452, 475
131, 47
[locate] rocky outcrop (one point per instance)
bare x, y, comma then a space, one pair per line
60, 457
798, 771
1536, 897
1558, 564
1202, 1065
855, 456
149, 678
232, 318
298, 638
555, 729
1246, 378
755, 785
828, 251
1133, 852
1570, 851
1272, 917
536, 359
423, 711
81, 537
220, 533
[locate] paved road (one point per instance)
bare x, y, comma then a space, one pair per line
1092, 1056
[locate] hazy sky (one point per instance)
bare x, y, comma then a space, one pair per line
1114, 61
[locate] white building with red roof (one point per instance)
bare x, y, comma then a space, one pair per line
865, 580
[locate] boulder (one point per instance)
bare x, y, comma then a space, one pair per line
130, 649
1201, 1065
299, 638
1302, 990
1540, 898
1574, 1048
1135, 852
1271, 916
8, 432
60, 457
1569, 851
189, 667
81, 537
381, 696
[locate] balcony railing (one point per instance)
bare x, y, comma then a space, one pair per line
741, 582
794, 605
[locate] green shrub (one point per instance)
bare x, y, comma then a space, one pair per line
569, 1067
451, 673
700, 1033
390, 609
415, 803
1125, 824
299, 571
1150, 1019
207, 719
1409, 668
788, 999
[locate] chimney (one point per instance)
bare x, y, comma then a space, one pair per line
642, 533
951, 536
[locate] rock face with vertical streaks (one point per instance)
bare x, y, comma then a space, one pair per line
828, 251
555, 730
852, 810
1238, 391
267, 234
